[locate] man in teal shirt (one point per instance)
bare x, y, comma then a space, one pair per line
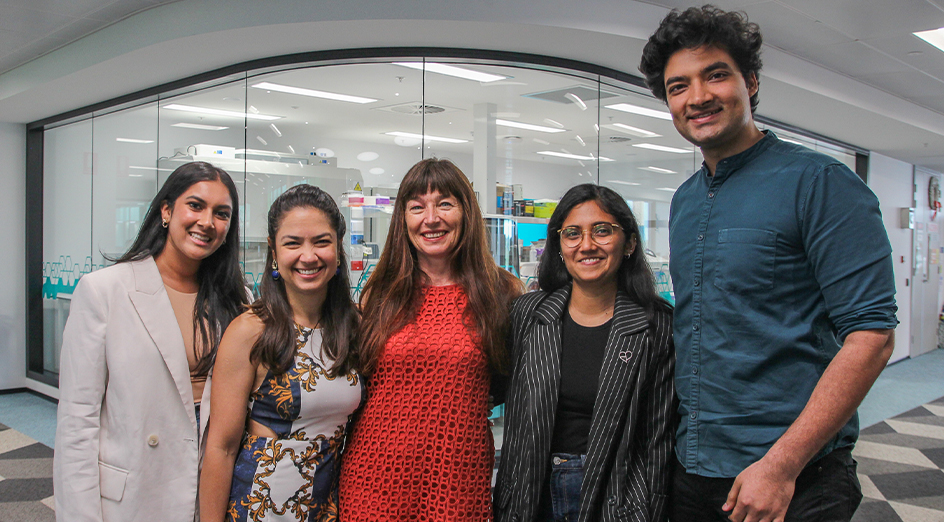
785, 297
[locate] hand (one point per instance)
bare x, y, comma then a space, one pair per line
761, 493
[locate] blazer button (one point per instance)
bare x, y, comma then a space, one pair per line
612, 501
153, 441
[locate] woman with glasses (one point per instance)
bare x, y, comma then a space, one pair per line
590, 401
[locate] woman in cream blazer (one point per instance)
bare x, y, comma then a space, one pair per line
127, 434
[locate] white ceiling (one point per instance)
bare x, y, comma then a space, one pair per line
31, 28
840, 68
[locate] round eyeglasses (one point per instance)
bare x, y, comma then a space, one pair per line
601, 234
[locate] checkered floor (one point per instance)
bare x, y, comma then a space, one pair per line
25, 479
900, 467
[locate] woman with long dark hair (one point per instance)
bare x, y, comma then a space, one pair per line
137, 347
590, 407
285, 382
435, 315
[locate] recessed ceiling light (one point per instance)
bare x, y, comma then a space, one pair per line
376, 171
571, 156
288, 89
642, 111
621, 182
662, 148
199, 126
526, 126
452, 70
220, 112
426, 137
577, 101
133, 140
634, 131
658, 169
934, 37
368, 156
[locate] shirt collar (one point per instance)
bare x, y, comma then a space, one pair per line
730, 164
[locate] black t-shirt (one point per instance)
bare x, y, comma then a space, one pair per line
582, 350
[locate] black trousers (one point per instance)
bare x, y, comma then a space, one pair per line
827, 490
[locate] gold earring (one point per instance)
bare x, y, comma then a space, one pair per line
164, 223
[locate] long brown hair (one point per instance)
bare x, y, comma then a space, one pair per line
392, 296
275, 348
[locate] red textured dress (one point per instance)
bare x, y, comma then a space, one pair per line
422, 449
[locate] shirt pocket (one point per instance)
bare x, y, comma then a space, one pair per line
746, 259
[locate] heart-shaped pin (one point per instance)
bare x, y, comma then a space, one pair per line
625, 355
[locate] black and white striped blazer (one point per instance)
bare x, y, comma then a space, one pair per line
627, 472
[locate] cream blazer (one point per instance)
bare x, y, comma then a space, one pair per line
126, 438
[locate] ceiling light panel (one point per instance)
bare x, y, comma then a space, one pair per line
220, 112
571, 156
662, 148
527, 126
199, 126
642, 111
633, 131
133, 140
934, 37
288, 89
452, 70
658, 169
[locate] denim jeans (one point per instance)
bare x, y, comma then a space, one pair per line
827, 490
560, 501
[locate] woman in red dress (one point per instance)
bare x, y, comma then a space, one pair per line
435, 313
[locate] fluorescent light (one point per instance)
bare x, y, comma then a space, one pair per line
542, 142
452, 70
667, 189
220, 112
135, 175
425, 137
314, 94
149, 168
623, 182
557, 124
635, 131
199, 126
642, 111
526, 126
934, 37
661, 148
276, 130
658, 169
571, 156
132, 140
577, 101
580, 141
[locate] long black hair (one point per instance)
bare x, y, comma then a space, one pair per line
222, 293
340, 319
634, 276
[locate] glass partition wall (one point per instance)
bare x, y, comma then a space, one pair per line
522, 133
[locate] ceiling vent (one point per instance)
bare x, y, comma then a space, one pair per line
416, 108
560, 95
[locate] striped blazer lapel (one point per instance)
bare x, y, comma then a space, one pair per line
624, 350
543, 369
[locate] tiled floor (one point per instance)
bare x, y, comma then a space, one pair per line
900, 453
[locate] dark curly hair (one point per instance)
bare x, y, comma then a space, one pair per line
695, 27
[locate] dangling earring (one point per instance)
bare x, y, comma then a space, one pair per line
164, 223
338, 271
275, 271
561, 254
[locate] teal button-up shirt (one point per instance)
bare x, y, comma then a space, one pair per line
774, 260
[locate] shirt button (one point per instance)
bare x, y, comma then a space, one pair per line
695, 327
612, 501
557, 461
697, 282
695, 371
701, 236
711, 194
692, 415
152, 441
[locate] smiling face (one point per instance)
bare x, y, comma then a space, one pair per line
306, 250
198, 222
709, 100
589, 263
434, 224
